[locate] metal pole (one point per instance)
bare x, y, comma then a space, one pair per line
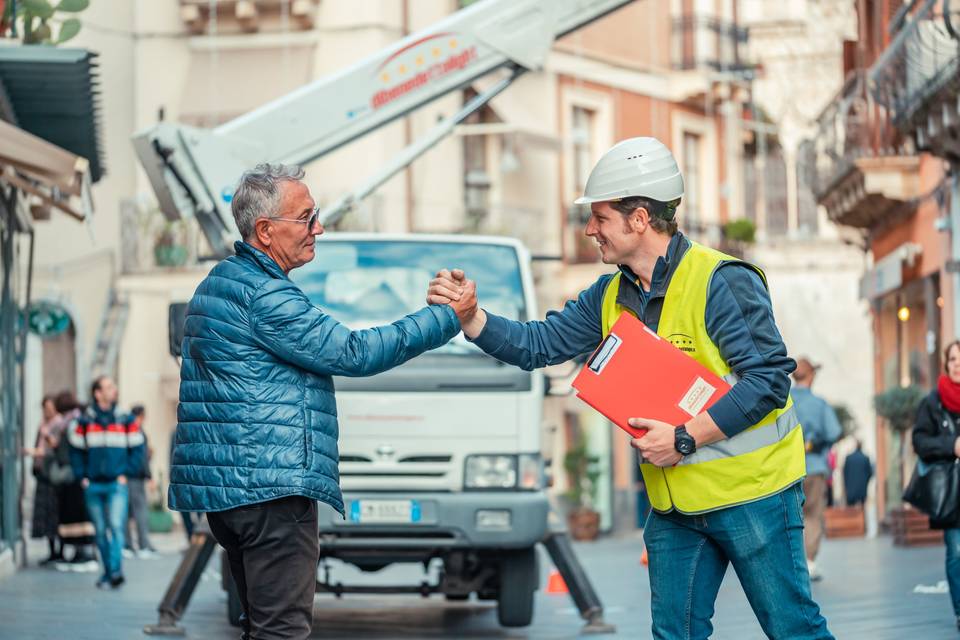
183, 584
21, 363
565, 559
8, 395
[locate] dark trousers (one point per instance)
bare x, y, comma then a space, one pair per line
273, 548
138, 513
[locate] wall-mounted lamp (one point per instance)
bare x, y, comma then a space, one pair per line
903, 313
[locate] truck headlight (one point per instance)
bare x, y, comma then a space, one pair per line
490, 472
503, 471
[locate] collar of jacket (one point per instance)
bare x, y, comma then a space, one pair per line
95, 411
665, 266
250, 253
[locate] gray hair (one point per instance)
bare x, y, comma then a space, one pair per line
661, 213
258, 194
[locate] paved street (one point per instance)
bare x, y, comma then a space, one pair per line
868, 592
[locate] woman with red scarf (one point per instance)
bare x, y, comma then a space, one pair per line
935, 439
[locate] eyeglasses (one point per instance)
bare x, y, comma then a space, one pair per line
310, 222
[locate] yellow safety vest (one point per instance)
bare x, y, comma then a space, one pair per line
758, 462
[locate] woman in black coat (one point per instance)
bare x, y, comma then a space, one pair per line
935, 440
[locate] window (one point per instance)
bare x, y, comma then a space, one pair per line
692, 179
581, 133
582, 137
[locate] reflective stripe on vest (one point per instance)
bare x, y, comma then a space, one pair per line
763, 459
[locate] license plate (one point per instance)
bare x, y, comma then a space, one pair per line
385, 511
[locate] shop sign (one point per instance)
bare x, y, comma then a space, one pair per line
47, 319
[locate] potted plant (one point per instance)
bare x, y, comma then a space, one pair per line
898, 407
170, 250
582, 470
737, 235
42, 22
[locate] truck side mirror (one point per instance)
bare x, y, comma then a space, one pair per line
176, 315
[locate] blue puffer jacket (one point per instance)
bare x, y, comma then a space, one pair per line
257, 415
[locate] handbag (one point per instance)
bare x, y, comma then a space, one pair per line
934, 488
59, 474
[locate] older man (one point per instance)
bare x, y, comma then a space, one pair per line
256, 444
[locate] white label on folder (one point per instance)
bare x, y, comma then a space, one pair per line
697, 396
605, 353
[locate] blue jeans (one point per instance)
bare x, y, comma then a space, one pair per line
952, 538
107, 506
763, 540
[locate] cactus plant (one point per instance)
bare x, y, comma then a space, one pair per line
41, 22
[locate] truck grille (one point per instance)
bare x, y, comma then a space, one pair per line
432, 472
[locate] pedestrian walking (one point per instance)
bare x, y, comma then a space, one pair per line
821, 429
857, 471
45, 518
936, 438
106, 447
254, 346
75, 528
138, 509
726, 486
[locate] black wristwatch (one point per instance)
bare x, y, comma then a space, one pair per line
683, 442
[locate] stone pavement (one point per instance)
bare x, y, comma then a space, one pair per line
868, 592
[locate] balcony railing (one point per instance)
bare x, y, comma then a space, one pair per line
865, 167
918, 65
248, 15
705, 42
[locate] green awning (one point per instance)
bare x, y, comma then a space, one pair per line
54, 95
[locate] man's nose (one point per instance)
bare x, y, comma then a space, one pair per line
318, 229
590, 229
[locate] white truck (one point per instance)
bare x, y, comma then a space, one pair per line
440, 458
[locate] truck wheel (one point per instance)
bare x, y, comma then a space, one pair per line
519, 579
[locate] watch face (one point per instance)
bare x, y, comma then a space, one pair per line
684, 443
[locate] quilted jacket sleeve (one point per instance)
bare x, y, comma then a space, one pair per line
285, 323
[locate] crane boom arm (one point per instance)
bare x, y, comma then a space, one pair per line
193, 171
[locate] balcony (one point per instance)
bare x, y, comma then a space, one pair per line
247, 16
707, 43
916, 79
866, 171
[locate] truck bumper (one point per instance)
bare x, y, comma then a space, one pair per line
468, 520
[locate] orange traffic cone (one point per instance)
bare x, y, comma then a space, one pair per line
555, 583
644, 558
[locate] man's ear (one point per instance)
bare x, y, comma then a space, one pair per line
640, 219
263, 231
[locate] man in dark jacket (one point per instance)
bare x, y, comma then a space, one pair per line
857, 471
106, 448
256, 443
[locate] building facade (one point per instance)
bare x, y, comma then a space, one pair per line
681, 71
884, 172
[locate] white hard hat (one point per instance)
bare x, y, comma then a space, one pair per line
634, 167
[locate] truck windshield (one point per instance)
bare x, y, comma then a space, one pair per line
365, 283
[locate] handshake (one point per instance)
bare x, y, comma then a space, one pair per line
453, 288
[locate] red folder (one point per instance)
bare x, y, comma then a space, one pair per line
635, 373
